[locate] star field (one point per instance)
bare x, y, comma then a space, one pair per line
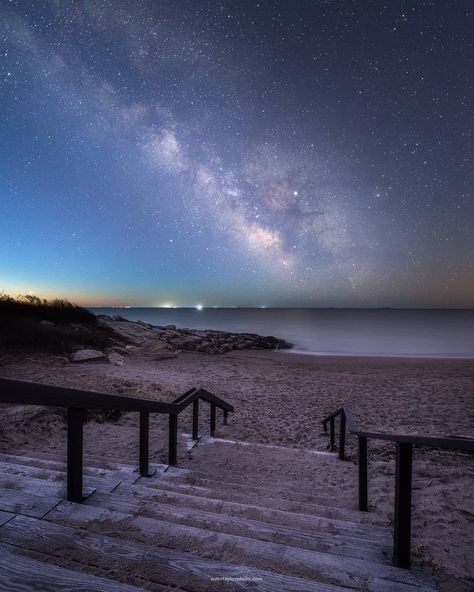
237, 153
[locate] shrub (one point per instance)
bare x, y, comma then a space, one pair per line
67, 326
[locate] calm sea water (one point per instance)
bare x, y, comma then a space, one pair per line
430, 333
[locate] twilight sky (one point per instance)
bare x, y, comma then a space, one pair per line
247, 153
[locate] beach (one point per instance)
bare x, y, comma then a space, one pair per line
280, 399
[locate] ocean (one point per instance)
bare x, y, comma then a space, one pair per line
355, 332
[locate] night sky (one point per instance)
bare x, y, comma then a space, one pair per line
301, 153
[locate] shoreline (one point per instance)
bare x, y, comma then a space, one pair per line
339, 332
296, 352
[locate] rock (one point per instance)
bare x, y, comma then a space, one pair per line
121, 350
88, 355
143, 335
115, 358
47, 324
161, 345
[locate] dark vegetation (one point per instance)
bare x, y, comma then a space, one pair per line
29, 323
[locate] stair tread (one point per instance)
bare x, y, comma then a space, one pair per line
58, 472
28, 504
4, 517
269, 514
343, 543
267, 500
92, 466
157, 564
22, 574
273, 556
51, 487
242, 486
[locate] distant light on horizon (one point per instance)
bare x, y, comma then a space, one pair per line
199, 306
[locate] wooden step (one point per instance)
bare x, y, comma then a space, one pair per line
21, 574
5, 517
326, 567
95, 467
148, 562
94, 477
42, 487
339, 543
317, 522
268, 499
28, 504
241, 486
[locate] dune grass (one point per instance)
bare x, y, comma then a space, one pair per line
29, 323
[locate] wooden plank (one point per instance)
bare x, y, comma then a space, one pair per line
23, 392
463, 443
224, 485
317, 521
293, 504
326, 542
21, 574
51, 488
59, 473
151, 563
268, 555
27, 504
5, 517
93, 467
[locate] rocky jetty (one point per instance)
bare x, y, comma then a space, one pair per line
169, 339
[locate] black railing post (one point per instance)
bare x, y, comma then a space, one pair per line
212, 429
332, 434
196, 419
75, 443
362, 462
226, 415
342, 435
144, 443
402, 514
173, 439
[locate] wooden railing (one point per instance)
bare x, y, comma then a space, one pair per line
403, 471
77, 402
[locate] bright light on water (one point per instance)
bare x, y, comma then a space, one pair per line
199, 306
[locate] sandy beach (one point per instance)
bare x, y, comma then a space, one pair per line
280, 399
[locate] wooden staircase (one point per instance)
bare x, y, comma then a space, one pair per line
200, 526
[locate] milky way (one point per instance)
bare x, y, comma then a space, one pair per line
237, 154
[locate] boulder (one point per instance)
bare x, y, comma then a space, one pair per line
115, 358
88, 355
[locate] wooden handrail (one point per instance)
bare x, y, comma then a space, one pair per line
23, 392
404, 444
77, 402
451, 442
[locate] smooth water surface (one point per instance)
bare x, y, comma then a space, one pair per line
380, 332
